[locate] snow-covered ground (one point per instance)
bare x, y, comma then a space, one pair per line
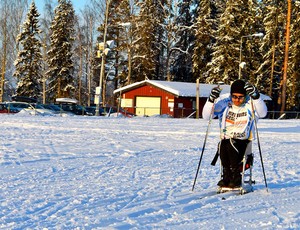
122, 173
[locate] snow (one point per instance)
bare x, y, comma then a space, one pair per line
78, 172
187, 89
67, 100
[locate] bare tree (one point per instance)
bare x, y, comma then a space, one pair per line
4, 36
86, 30
12, 13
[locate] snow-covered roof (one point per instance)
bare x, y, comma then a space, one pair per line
180, 89
66, 100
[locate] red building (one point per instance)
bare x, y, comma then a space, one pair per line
176, 99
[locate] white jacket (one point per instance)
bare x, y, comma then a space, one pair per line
235, 121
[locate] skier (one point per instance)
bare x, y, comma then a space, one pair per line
235, 113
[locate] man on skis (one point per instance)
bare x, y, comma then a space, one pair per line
235, 113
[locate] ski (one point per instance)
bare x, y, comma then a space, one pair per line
224, 192
241, 190
216, 196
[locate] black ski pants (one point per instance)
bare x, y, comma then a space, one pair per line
232, 152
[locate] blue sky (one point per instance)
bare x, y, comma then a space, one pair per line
77, 4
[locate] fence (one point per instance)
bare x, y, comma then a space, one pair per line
284, 115
191, 113
175, 112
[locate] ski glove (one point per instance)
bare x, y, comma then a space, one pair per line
214, 94
251, 90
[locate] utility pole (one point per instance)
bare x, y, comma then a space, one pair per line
102, 69
286, 56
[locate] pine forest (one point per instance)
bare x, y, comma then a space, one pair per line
59, 52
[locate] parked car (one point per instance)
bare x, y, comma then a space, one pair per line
56, 109
33, 109
92, 110
42, 110
4, 108
71, 105
17, 106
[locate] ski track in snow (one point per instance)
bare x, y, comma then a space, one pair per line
114, 173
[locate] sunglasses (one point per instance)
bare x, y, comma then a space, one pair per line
237, 97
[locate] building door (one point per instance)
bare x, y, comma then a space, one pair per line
147, 106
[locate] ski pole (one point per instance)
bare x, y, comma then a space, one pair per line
258, 143
204, 143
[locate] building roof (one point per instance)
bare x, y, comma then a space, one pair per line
180, 89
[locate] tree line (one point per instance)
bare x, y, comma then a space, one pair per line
58, 52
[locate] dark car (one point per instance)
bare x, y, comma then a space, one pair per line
31, 108
92, 110
53, 107
4, 108
73, 108
70, 105
18, 106
56, 109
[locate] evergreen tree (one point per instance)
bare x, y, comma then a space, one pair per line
181, 69
28, 62
146, 42
170, 27
273, 48
206, 26
160, 36
251, 52
45, 22
293, 85
60, 72
126, 25
236, 22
